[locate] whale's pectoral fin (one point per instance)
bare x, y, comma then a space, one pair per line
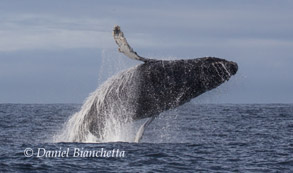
124, 47
141, 130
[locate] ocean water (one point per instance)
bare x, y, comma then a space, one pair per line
191, 138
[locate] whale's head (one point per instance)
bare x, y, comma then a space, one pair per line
168, 84
212, 72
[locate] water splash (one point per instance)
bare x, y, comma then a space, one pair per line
106, 113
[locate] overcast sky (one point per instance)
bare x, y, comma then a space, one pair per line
59, 51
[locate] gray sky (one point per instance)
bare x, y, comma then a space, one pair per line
59, 51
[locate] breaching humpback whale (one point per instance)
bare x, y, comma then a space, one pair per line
148, 89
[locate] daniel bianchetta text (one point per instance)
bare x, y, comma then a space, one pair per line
74, 152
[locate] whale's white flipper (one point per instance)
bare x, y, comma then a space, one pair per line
124, 47
141, 130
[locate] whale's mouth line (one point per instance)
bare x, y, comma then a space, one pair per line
229, 69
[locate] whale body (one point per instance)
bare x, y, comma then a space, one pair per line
148, 89
153, 87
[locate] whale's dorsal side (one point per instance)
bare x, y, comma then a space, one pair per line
124, 47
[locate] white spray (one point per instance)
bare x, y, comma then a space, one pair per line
105, 112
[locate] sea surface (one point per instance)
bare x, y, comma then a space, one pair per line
191, 138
